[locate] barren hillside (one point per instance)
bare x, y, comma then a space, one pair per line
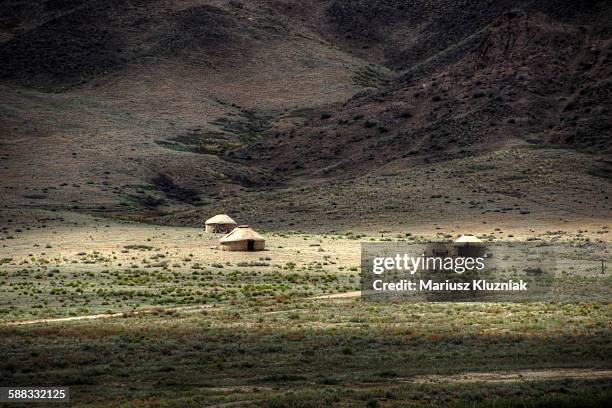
166, 110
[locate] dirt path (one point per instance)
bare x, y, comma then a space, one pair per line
515, 376
157, 309
343, 295
471, 377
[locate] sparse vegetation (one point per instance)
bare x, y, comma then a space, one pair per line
325, 124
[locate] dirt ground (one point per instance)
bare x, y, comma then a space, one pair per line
52, 260
277, 326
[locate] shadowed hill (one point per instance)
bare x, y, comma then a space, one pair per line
403, 34
222, 100
530, 78
100, 37
103, 98
54, 44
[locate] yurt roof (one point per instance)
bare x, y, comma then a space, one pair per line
220, 219
242, 233
467, 239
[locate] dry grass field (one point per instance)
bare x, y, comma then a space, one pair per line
322, 124
81, 296
66, 264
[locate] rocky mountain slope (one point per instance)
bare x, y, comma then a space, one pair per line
169, 109
529, 79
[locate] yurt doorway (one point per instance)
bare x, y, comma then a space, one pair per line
251, 245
